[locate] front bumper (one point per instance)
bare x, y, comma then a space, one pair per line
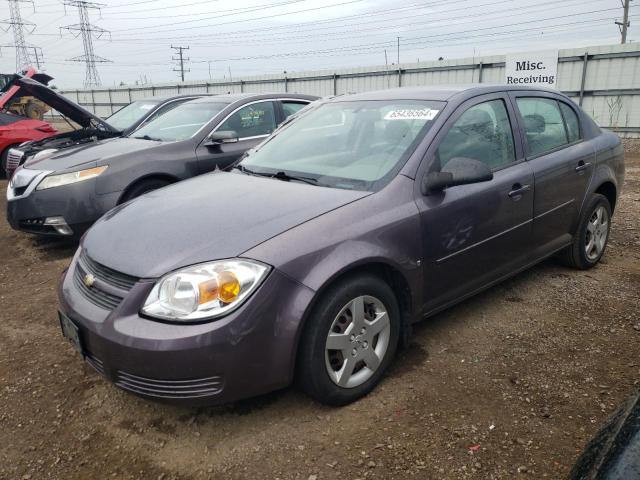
78, 204
246, 353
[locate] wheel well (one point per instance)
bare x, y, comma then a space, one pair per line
159, 176
608, 189
391, 276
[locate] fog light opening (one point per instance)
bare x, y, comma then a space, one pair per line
59, 225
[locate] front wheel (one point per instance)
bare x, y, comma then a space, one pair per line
591, 237
144, 186
349, 341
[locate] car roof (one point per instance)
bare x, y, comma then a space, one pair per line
236, 97
436, 92
166, 98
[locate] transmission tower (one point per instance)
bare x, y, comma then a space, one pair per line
19, 26
88, 31
180, 59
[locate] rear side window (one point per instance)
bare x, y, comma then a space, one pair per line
571, 119
482, 133
543, 124
292, 107
251, 121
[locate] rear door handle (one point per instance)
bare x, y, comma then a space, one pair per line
517, 190
582, 166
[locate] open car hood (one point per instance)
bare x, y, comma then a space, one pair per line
56, 101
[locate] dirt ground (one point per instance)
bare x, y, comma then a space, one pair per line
510, 384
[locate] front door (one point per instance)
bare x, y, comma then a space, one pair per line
475, 234
251, 123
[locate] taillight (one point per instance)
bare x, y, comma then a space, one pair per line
46, 129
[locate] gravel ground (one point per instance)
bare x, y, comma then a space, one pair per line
510, 384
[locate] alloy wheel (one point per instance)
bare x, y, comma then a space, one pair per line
597, 233
357, 341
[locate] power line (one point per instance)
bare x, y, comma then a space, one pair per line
88, 31
181, 59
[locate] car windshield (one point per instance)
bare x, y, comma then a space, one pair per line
180, 123
127, 116
354, 145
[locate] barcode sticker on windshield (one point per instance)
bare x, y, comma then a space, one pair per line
412, 114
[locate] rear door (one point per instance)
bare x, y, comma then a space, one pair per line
475, 234
251, 122
562, 165
290, 107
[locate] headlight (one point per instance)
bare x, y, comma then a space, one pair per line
51, 181
204, 291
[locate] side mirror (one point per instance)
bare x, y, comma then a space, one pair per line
222, 136
457, 171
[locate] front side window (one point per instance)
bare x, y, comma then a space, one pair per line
347, 144
181, 122
481, 133
543, 124
251, 121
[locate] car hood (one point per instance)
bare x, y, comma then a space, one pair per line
101, 152
213, 216
63, 105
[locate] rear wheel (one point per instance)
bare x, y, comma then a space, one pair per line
144, 186
592, 235
349, 341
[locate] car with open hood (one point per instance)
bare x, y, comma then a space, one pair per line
64, 192
314, 256
91, 127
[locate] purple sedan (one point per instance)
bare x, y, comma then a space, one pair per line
313, 257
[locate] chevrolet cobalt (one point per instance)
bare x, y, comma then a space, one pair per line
311, 259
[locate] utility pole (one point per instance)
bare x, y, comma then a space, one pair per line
181, 59
87, 31
624, 25
19, 26
398, 50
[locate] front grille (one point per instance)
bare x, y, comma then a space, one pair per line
106, 274
13, 159
96, 293
96, 363
172, 389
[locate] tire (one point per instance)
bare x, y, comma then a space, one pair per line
590, 240
322, 372
142, 187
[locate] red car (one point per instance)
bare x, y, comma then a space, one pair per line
15, 128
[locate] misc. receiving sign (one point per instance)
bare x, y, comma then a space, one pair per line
532, 68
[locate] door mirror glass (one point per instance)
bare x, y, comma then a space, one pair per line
222, 136
457, 171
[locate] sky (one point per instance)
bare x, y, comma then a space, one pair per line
253, 37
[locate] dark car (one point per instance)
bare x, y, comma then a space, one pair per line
93, 128
315, 255
614, 452
63, 194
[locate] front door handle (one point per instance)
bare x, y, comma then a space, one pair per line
582, 166
517, 190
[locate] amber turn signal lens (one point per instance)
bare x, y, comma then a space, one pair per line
208, 291
228, 286
91, 172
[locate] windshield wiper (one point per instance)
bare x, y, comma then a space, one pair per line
281, 175
147, 137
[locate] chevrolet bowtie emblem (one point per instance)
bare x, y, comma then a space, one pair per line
89, 280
